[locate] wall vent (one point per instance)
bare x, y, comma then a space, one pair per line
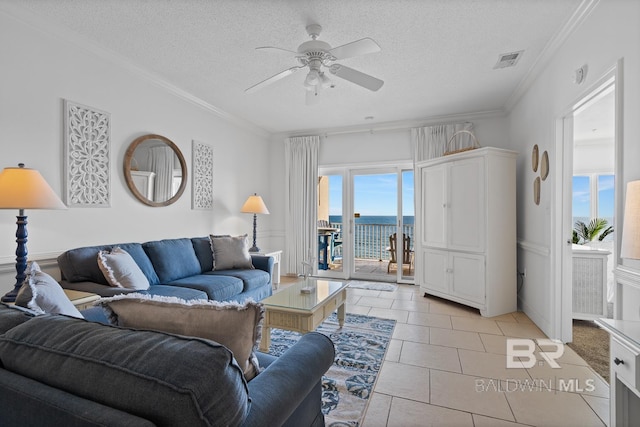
508, 59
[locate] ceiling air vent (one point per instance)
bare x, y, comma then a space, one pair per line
508, 59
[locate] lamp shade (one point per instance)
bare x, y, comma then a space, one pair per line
254, 205
631, 228
24, 188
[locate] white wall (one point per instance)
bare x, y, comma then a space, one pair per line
366, 147
40, 69
611, 32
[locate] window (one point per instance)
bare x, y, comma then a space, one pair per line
593, 197
581, 198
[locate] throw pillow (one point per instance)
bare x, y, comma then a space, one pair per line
120, 269
42, 294
230, 252
236, 326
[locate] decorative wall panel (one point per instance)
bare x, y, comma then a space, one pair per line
202, 184
87, 134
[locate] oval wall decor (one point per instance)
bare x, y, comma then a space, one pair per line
536, 190
544, 166
534, 158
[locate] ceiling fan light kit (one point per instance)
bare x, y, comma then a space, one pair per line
315, 54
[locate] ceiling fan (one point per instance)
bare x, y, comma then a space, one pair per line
318, 56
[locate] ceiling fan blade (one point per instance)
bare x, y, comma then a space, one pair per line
357, 77
356, 48
272, 48
272, 79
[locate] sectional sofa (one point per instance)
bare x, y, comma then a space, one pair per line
182, 268
57, 370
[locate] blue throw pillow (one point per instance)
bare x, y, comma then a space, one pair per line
173, 259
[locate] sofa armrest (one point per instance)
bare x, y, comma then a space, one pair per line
277, 391
262, 262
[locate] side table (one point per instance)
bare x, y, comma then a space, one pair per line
624, 366
277, 258
81, 299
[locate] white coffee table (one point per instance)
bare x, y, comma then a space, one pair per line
293, 310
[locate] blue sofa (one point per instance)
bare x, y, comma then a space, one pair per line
57, 370
180, 268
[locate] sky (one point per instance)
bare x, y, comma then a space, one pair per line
582, 196
375, 194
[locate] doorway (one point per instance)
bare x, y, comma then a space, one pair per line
590, 163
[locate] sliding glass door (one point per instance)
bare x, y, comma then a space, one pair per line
365, 224
375, 220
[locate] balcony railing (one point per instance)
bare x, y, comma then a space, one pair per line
371, 240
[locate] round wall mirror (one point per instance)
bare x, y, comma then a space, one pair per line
155, 170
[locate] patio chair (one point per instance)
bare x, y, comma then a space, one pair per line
407, 253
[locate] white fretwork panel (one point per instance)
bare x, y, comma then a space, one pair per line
202, 176
87, 156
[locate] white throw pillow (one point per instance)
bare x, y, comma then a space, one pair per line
230, 252
121, 271
42, 294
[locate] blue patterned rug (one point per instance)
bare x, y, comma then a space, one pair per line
360, 348
373, 286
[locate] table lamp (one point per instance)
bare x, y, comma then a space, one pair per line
22, 188
630, 247
254, 205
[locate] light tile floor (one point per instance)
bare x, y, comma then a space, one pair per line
446, 366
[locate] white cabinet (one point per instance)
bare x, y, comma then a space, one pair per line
466, 228
624, 362
453, 199
458, 274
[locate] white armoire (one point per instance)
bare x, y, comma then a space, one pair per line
465, 240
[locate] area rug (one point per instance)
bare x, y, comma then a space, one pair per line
592, 344
374, 286
361, 345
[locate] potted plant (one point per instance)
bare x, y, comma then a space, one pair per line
597, 228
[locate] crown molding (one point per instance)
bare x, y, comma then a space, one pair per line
393, 126
40, 24
579, 16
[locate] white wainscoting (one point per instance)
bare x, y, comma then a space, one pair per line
534, 296
627, 293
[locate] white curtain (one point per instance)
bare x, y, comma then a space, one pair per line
301, 173
432, 141
161, 162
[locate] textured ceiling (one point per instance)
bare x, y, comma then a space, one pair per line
437, 56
